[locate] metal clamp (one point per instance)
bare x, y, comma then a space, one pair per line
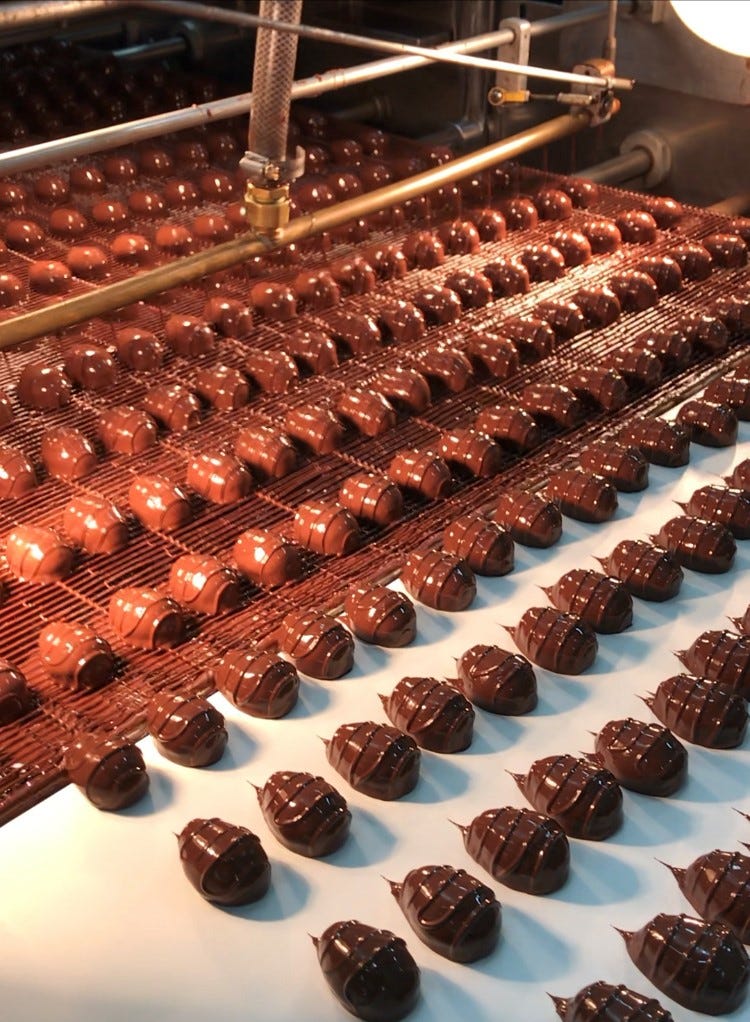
265, 173
603, 103
517, 52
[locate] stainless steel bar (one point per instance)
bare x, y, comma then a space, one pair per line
156, 50
733, 205
624, 167
182, 271
16, 16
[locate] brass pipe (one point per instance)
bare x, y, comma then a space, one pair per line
182, 271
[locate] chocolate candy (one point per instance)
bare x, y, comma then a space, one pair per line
647, 571
258, 683
625, 467
401, 321
660, 442
357, 334
496, 680
636, 291
374, 498
43, 387
189, 731
326, 528
694, 260
600, 306
722, 656
707, 332
367, 411
90, 366
603, 235
221, 386
508, 277
318, 645
421, 472
604, 386
269, 451
12, 290
381, 616
520, 214
672, 347
529, 518
16, 699
451, 911
434, 713
173, 406
484, 545
603, 603
574, 245
225, 863
220, 478
75, 655
158, 503
354, 275
406, 389
534, 338
305, 813
702, 966
701, 711
375, 759
717, 885
731, 392
370, 971
740, 476
727, 250
314, 350
146, 618
585, 800
424, 249
110, 771
493, 355
89, 262
582, 495
439, 305
188, 336
95, 525
49, 277
513, 428
314, 428
697, 544
204, 584
127, 430
565, 318
636, 226
17, 475
36, 553
266, 558
441, 581
642, 757
67, 454
639, 366
274, 372
543, 262
708, 424
274, 301
471, 286
604, 1001
555, 640
460, 237
474, 453
742, 624
445, 368
388, 261
553, 204
228, 316
664, 271
521, 849
490, 224
552, 404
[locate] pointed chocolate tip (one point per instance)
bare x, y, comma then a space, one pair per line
325, 741
561, 1004
313, 939
625, 934
395, 887
546, 590
648, 700
680, 504
383, 699
460, 826
742, 813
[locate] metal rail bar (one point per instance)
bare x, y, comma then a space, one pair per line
620, 168
24, 15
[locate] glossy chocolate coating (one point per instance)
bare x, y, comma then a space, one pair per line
496, 680
647, 571
553, 204
127, 430
725, 506
358, 334
317, 291
367, 411
424, 249
373, 498
555, 640
740, 476
553, 404
636, 226
707, 332
43, 387
664, 271
274, 301
158, 503
530, 519
732, 392
544, 262
708, 424
89, 262
111, 772
90, 366
388, 261
694, 260
189, 731
698, 544
225, 863
305, 813
434, 713
722, 656
473, 453
439, 305
318, 644
574, 245
354, 275
313, 350
326, 528
228, 316
508, 277
139, 349
460, 237
636, 291
642, 757
95, 525
269, 451
603, 386
375, 759
484, 545
441, 581
471, 286
566, 318
490, 224
187, 335
446, 368
173, 406
533, 337
146, 618
603, 1002
315, 428
701, 711
582, 495
660, 442
266, 558
12, 290
67, 454
16, 699
382, 616
521, 849
423, 473
49, 277
131, 249
406, 388
727, 250
717, 885
585, 800
672, 347
223, 387
75, 655
401, 321
702, 966
492, 354
513, 428
520, 213
602, 602
604, 236
36, 553
451, 911
220, 478
625, 467
258, 683
25, 236
203, 584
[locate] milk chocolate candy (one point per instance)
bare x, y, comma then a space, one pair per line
610, 1003
111, 772
375, 759
733, 310
139, 349
717, 885
520, 213
326, 528
604, 236
273, 372
496, 680
708, 424
708, 333
513, 428
43, 387
187, 335
95, 525
740, 476
493, 355
220, 478
439, 305
727, 250
603, 603
642, 757
317, 291
16, 699
544, 262
314, 428
401, 321
49, 277
636, 226
424, 249
533, 337
369, 971
565, 318
388, 261
75, 655
460, 237
701, 711
585, 800
625, 467
646, 571
127, 430
508, 277
367, 411
636, 291
17, 475
25, 236
452, 912
555, 640
553, 204
258, 683
484, 545
600, 306
146, 618
671, 347
439, 580
731, 392
702, 966
422, 473
552, 404
188, 731
173, 406
203, 584
158, 503
131, 249
574, 246
694, 260
530, 519
434, 713
445, 368
12, 290
67, 454
582, 495
660, 442
639, 367
358, 334
6, 410
225, 863
314, 350
317, 644
223, 387
742, 624
381, 616
268, 451
373, 498
266, 558
354, 275
722, 656
36, 553
274, 301
90, 366
521, 849
470, 452
724, 506
228, 316
581, 193
305, 813
406, 389
697, 544
665, 272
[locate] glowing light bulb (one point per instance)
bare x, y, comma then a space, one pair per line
722, 23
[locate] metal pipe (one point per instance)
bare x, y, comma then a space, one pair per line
182, 271
610, 43
16, 16
170, 46
624, 167
101, 139
733, 205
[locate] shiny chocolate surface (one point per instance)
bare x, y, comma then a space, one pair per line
305, 813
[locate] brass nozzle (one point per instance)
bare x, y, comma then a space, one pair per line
267, 209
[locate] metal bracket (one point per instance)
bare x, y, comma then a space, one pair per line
657, 148
265, 173
602, 100
517, 52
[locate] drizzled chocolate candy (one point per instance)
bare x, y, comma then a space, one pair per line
521, 849
445, 368
318, 645
219, 478
599, 305
439, 580
672, 347
642, 757
266, 558
267, 450
421, 472
375, 759
190, 731
555, 640
701, 711
434, 713
740, 475
603, 386
273, 372
381, 616
258, 683
493, 355
508, 277
17, 475
367, 411
16, 698
660, 442
625, 467
565, 318
732, 392
513, 428
582, 495
127, 430
370, 971
708, 424
472, 453
223, 387
496, 680
647, 571
326, 528
451, 911
37, 554
717, 885
602, 602
552, 404
698, 544
529, 518
485, 546
95, 525
471, 286
702, 966
202, 583
158, 503
316, 429
639, 366
146, 618
111, 772
305, 813
585, 800
374, 498
406, 389
610, 1003
75, 655
722, 656
225, 863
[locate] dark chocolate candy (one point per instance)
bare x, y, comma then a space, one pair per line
367, 411
314, 428
127, 430
708, 424
267, 558
67, 454
421, 472
639, 366
314, 350
319, 645
445, 368
158, 503
471, 286
451, 911
513, 428
401, 321
582, 495
75, 655
269, 451
220, 478
534, 338
642, 757
460, 237
529, 518
697, 544
90, 366
485, 546
305, 813
225, 863
625, 467
326, 528
173, 406
146, 618
489, 353
49, 277
12, 290
354, 275
660, 442
725, 506
474, 453
636, 226
565, 317
604, 235
727, 250
381, 616
43, 387
702, 966
555, 640
701, 711
188, 731
375, 759
258, 683
520, 213
228, 316
441, 581
274, 301
694, 260
602, 602
434, 713
203, 584
732, 392
544, 262
521, 849
733, 310
722, 656
496, 680
603, 1002
424, 249
647, 571
707, 332
636, 291
508, 277
672, 347
357, 333
406, 388
717, 885
439, 305
189, 336
553, 204
585, 800
370, 971
274, 372
16, 699
740, 476
35, 553
490, 224
665, 272
574, 245
373, 498
599, 305
553, 404
581, 193
111, 772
